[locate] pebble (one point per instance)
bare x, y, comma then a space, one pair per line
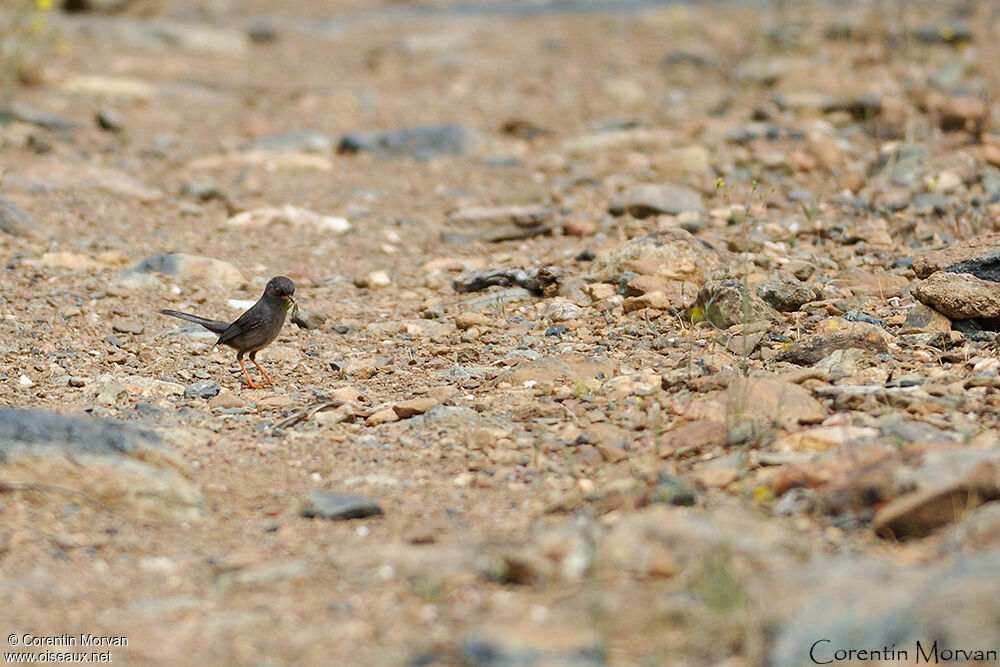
420, 143
118, 87
785, 292
338, 506
36, 117
121, 325
560, 309
291, 217
376, 279
202, 389
110, 119
224, 400
275, 402
203, 191
296, 140
110, 393
963, 112
413, 407
383, 416
922, 319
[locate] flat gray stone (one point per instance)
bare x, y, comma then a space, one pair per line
296, 140
202, 389
420, 143
339, 506
650, 199
36, 117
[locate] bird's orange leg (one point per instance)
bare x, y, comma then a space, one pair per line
253, 358
249, 381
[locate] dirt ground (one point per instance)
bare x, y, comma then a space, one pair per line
471, 499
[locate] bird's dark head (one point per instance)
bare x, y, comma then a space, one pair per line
281, 289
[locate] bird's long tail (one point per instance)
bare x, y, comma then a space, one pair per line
215, 326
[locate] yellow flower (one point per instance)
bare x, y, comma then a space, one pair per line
43, 5
763, 494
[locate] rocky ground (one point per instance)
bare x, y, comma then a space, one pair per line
629, 333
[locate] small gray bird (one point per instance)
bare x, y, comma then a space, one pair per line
255, 329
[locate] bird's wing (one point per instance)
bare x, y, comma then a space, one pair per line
246, 322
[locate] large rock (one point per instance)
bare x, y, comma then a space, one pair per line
728, 302
674, 254
786, 293
949, 482
853, 602
765, 401
836, 334
979, 256
129, 470
649, 199
960, 296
